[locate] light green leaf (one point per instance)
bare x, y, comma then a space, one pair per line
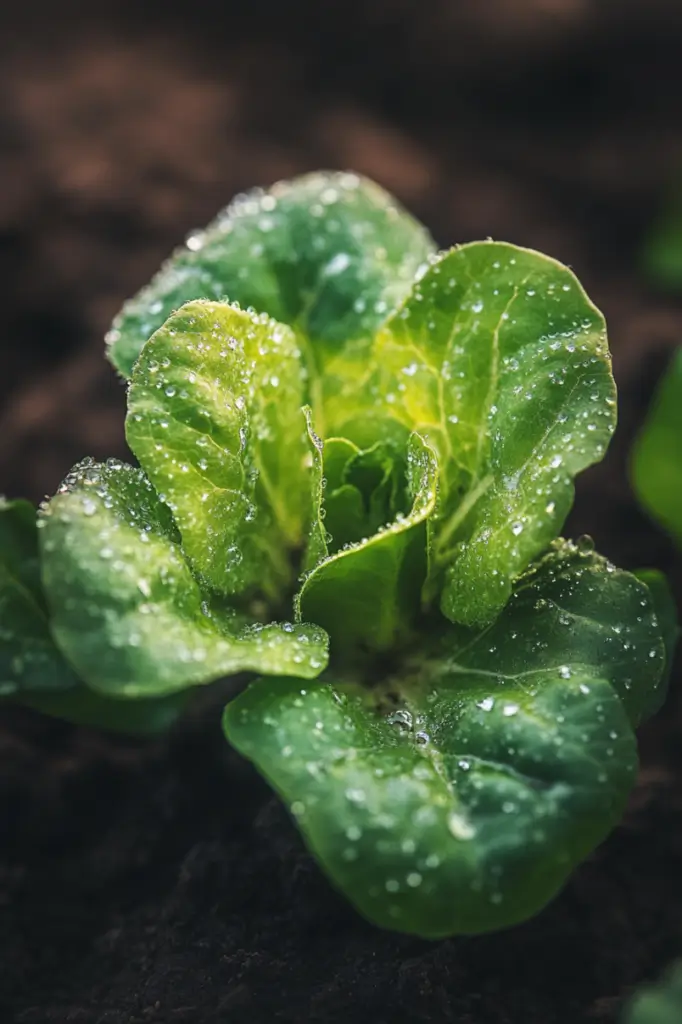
328, 253
125, 608
316, 546
337, 453
660, 1003
657, 458
339, 504
368, 594
29, 659
214, 416
457, 795
346, 518
500, 361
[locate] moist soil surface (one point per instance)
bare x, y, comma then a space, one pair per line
161, 881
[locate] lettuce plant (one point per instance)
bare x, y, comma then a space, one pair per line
356, 457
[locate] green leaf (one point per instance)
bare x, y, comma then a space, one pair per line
666, 612
141, 717
656, 463
125, 608
29, 659
365, 493
346, 518
457, 795
328, 253
660, 1003
368, 594
500, 361
337, 453
379, 475
214, 416
338, 503
33, 670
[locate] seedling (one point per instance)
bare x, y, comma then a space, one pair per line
657, 457
658, 1004
661, 257
352, 484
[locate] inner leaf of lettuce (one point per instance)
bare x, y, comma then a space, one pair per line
367, 593
498, 358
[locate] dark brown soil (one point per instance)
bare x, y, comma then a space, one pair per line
161, 882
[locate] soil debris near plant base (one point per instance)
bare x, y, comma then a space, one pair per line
162, 882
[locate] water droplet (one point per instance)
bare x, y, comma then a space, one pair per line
337, 264
356, 796
459, 827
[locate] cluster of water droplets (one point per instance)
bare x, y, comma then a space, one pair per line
408, 816
215, 399
115, 564
322, 233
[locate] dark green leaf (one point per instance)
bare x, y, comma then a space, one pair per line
328, 253
457, 795
666, 613
81, 706
125, 607
500, 361
368, 594
29, 659
657, 462
214, 416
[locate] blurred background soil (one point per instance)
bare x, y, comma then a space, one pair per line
161, 882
